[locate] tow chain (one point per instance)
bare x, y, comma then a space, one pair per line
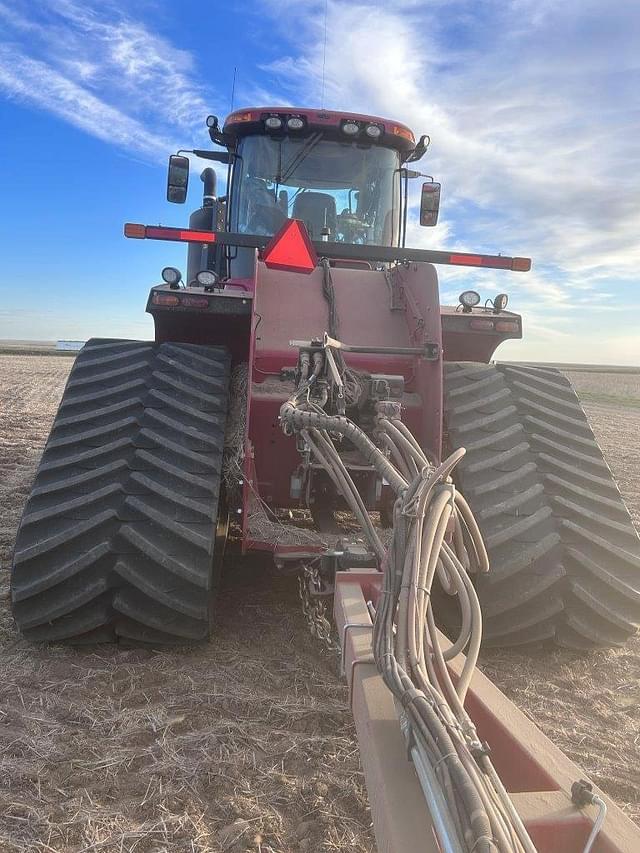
314, 596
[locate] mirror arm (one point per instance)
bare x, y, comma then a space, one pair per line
205, 154
420, 149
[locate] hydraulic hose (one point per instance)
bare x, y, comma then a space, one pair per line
434, 536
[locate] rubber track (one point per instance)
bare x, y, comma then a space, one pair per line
565, 557
116, 540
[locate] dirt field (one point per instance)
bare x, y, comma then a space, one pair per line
247, 744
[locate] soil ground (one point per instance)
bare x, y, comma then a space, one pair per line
247, 744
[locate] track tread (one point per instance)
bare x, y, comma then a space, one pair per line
116, 540
564, 553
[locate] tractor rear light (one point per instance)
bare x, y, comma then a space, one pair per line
273, 123
507, 326
181, 235
207, 278
295, 123
374, 131
291, 249
481, 325
500, 302
194, 301
235, 118
171, 276
521, 264
138, 232
350, 128
404, 132
469, 299
185, 235
165, 299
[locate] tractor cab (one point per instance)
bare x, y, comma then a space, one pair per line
344, 175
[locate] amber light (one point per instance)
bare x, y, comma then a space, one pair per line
481, 325
195, 301
165, 299
234, 118
404, 132
157, 232
507, 326
521, 264
132, 229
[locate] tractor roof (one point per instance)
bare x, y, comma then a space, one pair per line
251, 120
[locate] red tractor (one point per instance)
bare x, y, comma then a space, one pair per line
299, 280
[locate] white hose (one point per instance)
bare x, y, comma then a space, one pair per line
434, 535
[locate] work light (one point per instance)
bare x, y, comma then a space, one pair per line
500, 302
206, 278
171, 276
469, 299
273, 122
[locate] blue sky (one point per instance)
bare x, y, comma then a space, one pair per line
533, 108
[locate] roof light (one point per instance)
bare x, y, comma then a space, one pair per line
469, 299
291, 249
171, 275
273, 122
500, 302
212, 121
206, 278
295, 123
234, 118
164, 299
374, 131
404, 132
350, 128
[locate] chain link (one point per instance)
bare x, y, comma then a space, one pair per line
314, 605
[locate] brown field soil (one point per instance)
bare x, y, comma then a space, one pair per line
246, 744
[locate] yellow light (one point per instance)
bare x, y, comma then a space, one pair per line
398, 130
234, 118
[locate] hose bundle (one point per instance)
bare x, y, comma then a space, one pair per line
434, 536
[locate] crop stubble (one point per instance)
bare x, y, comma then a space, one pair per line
247, 744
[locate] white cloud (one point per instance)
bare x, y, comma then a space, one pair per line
532, 111
105, 73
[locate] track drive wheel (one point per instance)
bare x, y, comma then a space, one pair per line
118, 538
565, 558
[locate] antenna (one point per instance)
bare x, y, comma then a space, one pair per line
324, 52
233, 87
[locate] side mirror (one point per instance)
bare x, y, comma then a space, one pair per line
177, 179
430, 203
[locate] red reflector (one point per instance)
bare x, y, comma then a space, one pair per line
133, 230
183, 235
195, 301
466, 260
291, 249
507, 326
521, 264
164, 299
481, 325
